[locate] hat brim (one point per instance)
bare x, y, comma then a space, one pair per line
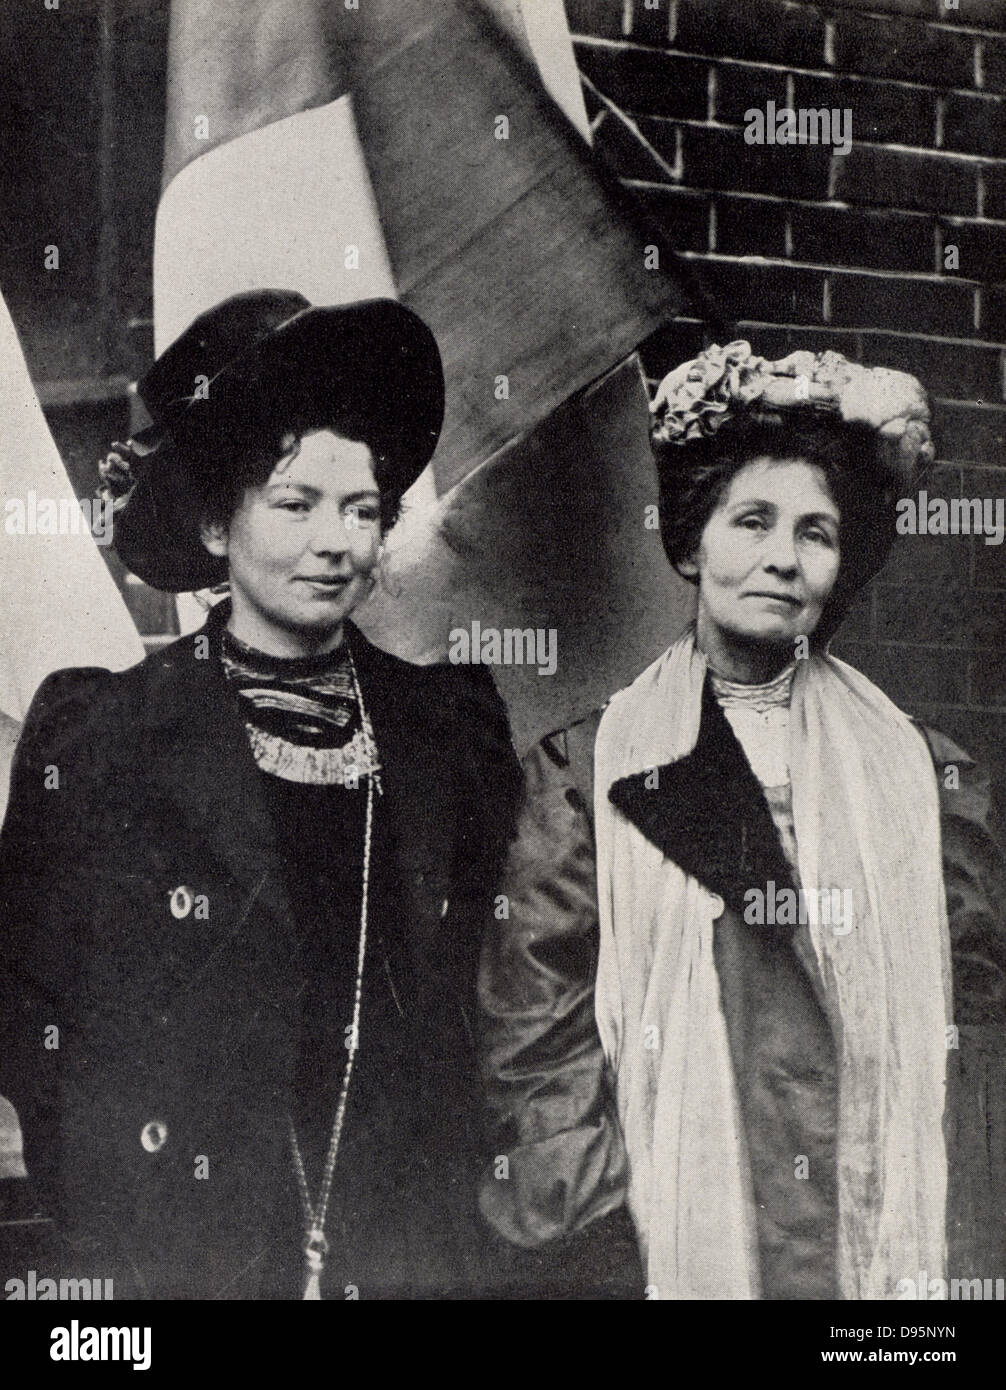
370, 371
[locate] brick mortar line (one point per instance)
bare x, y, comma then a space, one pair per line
997, 406
941, 26
592, 41
981, 160
961, 219
983, 344
832, 204
927, 276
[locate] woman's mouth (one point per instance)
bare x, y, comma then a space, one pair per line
774, 597
325, 583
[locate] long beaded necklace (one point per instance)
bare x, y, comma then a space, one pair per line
315, 1244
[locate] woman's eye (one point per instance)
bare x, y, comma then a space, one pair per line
293, 505
822, 537
361, 514
753, 523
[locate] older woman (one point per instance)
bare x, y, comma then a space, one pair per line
244, 883
752, 934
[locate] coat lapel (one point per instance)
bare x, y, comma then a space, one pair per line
427, 925
419, 785
707, 813
202, 763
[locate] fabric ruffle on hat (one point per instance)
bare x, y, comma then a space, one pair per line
699, 397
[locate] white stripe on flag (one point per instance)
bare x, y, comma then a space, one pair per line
61, 606
276, 208
288, 206
542, 31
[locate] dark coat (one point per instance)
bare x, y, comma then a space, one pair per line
181, 1019
551, 1097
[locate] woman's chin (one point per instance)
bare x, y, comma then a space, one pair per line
770, 631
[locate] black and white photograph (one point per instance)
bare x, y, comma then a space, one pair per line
503, 663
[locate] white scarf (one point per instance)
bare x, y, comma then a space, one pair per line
866, 812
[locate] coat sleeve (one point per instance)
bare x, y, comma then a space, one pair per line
557, 1177
45, 818
973, 875
976, 1072
492, 769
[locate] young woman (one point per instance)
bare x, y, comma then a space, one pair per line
752, 989
244, 883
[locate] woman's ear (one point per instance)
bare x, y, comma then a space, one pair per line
688, 569
214, 536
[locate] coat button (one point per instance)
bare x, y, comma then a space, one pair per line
154, 1135
181, 901
444, 906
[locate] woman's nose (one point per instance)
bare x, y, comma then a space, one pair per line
780, 553
330, 535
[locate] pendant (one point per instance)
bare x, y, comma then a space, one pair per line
315, 1250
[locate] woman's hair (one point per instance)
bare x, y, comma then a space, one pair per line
199, 478
247, 459
694, 477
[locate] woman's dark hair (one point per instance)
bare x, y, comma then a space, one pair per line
693, 477
224, 467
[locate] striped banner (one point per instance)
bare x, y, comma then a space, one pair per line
406, 147
436, 151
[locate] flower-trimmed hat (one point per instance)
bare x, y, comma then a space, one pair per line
867, 426
723, 383
244, 373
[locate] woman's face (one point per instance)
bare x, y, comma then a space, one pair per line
768, 557
300, 548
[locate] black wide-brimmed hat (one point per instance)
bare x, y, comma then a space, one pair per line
253, 366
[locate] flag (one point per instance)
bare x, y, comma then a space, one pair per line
549, 553
409, 148
61, 605
436, 151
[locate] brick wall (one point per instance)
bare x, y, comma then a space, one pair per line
804, 247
